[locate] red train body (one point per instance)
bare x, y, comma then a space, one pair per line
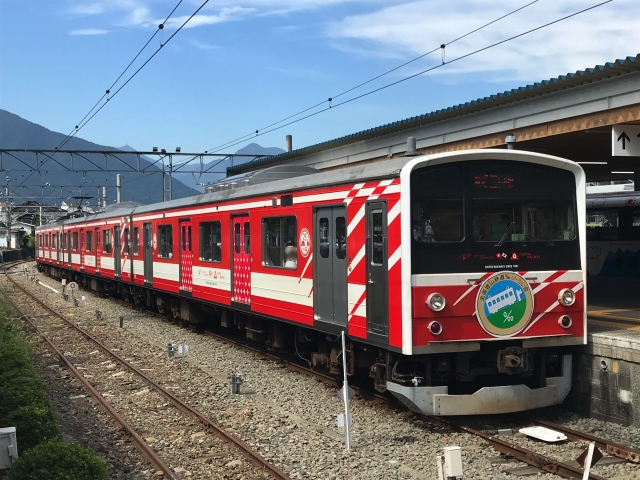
458, 277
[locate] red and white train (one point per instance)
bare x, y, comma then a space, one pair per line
459, 277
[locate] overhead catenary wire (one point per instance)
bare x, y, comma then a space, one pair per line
107, 91
435, 67
131, 77
333, 97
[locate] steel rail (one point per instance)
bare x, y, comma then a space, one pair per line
542, 462
627, 453
251, 455
143, 447
537, 460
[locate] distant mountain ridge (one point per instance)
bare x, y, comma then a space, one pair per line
143, 187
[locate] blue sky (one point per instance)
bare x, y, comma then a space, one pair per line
242, 65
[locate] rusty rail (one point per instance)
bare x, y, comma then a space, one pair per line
245, 449
627, 453
143, 447
542, 462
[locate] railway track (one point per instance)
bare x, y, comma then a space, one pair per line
43, 322
542, 462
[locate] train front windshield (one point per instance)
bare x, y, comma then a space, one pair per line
493, 215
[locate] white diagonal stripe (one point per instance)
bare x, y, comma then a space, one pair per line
356, 219
395, 257
357, 259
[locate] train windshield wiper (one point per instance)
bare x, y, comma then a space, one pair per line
505, 234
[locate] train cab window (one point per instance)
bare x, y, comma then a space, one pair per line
165, 241
280, 242
136, 241
323, 237
89, 246
437, 205
210, 242
75, 241
106, 241
126, 241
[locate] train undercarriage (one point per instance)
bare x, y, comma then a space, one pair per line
500, 377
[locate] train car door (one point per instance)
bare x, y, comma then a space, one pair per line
117, 265
186, 257
330, 283
81, 248
97, 247
377, 269
241, 259
148, 253
58, 244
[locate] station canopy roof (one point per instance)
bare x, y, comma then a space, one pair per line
608, 70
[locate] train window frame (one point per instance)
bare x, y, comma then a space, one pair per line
106, 241
74, 239
136, 241
89, 241
165, 241
46, 240
203, 243
281, 247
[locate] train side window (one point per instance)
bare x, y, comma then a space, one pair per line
377, 241
75, 241
136, 241
280, 242
46, 240
603, 224
64, 241
55, 241
106, 241
247, 238
165, 241
210, 242
89, 246
127, 246
237, 235
341, 237
323, 237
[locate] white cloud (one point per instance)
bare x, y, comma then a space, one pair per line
413, 28
223, 15
200, 45
88, 31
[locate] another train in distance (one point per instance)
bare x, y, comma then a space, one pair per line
458, 277
613, 231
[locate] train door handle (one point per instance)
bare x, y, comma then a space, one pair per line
371, 282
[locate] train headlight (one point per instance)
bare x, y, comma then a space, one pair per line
436, 302
435, 328
566, 297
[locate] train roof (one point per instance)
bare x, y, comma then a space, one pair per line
613, 199
358, 173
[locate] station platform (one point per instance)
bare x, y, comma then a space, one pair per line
606, 371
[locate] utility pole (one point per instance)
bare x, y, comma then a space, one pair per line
118, 188
40, 219
170, 177
8, 207
104, 197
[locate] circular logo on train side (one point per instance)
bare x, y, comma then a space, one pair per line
504, 304
305, 242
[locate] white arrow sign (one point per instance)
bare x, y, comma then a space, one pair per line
625, 140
